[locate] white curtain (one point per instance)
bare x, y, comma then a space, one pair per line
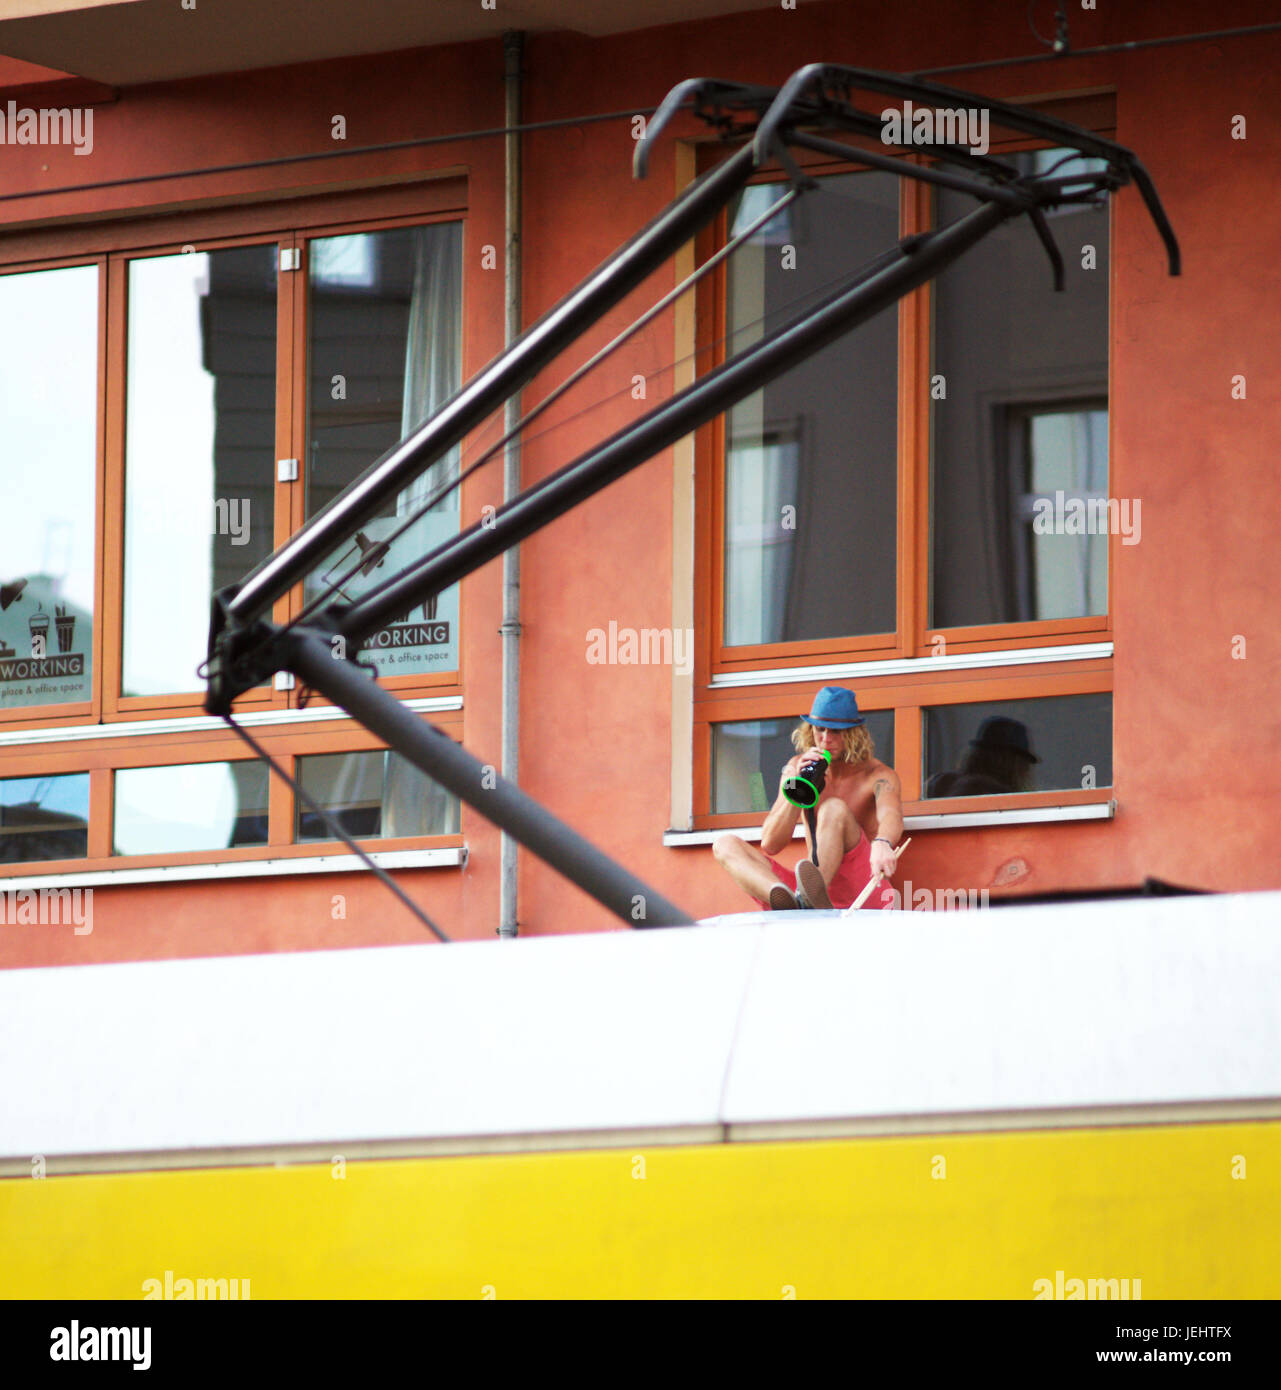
433, 350
413, 804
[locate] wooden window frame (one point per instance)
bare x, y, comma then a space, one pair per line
914, 638
103, 758
288, 223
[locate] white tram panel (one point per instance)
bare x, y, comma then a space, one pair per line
1126, 1002
756, 1018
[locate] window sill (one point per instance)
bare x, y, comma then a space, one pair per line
200, 723
906, 666
453, 856
950, 820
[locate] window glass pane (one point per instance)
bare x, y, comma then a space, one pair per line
200, 445
811, 460
371, 795
1023, 420
748, 757
44, 818
195, 806
385, 336
48, 454
1059, 744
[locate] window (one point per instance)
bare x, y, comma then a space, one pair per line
384, 343
890, 514
991, 749
193, 806
145, 406
200, 440
1018, 408
747, 757
43, 818
48, 482
372, 795
810, 461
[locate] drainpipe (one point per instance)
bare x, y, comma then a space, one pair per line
513, 54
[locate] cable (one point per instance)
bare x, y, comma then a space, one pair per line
328, 154
339, 832
849, 278
576, 376
434, 498
1130, 47
1133, 46
445, 489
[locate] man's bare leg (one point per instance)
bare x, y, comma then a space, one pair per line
746, 865
838, 833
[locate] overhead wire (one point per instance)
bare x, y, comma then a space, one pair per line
832, 287
334, 825
553, 396
312, 606
665, 301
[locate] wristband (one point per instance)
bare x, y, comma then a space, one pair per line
883, 840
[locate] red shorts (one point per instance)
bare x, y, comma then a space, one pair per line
849, 880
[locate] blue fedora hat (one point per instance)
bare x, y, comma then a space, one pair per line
835, 708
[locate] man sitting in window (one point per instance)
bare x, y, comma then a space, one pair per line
858, 817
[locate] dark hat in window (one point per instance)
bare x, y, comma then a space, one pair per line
1002, 735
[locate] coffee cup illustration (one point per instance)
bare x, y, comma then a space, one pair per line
66, 625
38, 623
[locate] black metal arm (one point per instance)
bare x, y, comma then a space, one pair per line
245, 648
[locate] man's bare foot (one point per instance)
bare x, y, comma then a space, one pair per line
812, 885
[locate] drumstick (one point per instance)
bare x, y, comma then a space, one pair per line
873, 881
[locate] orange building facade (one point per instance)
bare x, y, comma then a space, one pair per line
295, 234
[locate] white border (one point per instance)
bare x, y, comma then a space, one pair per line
950, 820
205, 723
245, 868
910, 666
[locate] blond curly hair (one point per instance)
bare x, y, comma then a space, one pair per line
858, 744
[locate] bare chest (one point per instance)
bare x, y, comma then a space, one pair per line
855, 790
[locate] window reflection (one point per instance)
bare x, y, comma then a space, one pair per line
371, 795
194, 806
44, 818
48, 453
1018, 412
200, 451
1060, 568
1063, 743
385, 353
811, 460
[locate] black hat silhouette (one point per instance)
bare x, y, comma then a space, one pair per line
1004, 735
